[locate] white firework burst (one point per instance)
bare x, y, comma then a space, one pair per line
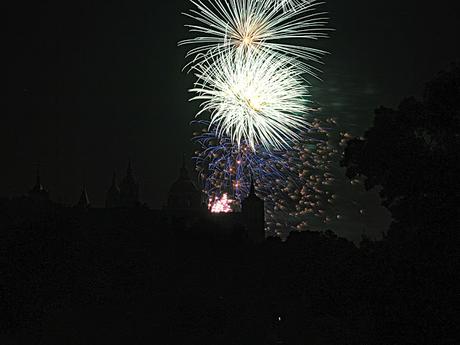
257, 98
274, 26
291, 5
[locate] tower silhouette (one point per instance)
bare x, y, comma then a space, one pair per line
112, 198
129, 190
183, 195
253, 212
38, 192
83, 202
126, 194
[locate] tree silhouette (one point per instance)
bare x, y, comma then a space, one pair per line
412, 154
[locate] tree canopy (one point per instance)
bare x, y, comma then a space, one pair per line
412, 153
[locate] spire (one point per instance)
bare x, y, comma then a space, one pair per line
252, 190
183, 169
129, 178
83, 202
253, 211
38, 191
114, 186
112, 198
183, 194
129, 189
38, 185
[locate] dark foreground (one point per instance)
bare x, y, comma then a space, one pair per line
127, 279
131, 284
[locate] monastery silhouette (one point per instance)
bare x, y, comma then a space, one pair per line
184, 209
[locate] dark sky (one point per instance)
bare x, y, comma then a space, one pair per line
92, 84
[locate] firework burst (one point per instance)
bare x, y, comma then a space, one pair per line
297, 184
258, 99
226, 26
251, 80
291, 5
226, 168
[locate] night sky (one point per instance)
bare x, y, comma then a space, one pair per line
92, 85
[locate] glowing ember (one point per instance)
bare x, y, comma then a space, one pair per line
220, 205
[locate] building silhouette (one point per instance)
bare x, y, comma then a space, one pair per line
184, 210
126, 195
183, 194
112, 198
129, 190
253, 213
83, 202
38, 192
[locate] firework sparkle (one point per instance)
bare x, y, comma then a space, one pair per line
226, 26
257, 98
251, 75
297, 184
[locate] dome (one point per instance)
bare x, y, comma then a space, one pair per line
183, 185
183, 194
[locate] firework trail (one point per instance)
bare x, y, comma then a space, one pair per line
226, 168
297, 185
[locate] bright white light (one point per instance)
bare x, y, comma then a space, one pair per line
292, 5
220, 205
261, 25
256, 98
